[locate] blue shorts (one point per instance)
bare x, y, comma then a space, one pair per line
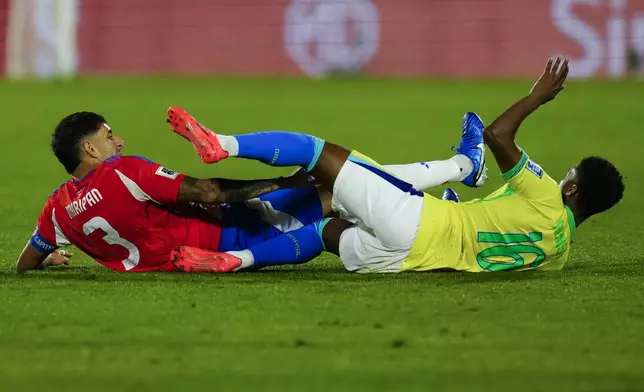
259, 220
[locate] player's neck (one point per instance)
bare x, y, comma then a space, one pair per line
580, 217
82, 171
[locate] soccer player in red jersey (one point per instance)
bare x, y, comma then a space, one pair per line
131, 214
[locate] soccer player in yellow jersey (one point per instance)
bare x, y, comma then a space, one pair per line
528, 223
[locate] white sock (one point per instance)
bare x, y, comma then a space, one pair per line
425, 175
229, 144
465, 165
246, 257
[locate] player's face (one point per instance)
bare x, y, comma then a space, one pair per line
105, 144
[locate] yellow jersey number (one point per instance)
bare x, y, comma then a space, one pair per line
510, 247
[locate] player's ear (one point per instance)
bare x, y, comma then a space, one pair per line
89, 149
570, 189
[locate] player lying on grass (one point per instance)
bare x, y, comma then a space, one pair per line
130, 214
528, 223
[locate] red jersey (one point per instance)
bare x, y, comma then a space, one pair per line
122, 215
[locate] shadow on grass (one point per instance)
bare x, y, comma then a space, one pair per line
625, 268
330, 274
272, 276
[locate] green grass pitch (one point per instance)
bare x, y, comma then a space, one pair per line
317, 327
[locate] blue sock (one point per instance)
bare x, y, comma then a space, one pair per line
281, 148
295, 247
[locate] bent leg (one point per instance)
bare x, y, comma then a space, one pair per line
360, 250
291, 209
295, 247
425, 175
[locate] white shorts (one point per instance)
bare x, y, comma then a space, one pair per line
387, 210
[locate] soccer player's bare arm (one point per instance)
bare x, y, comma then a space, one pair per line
218, 191
32, 259
499, 135
221, 190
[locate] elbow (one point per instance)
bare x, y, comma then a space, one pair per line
488, 133
215, 198
26, 263
20, 268
210, 192
213, 194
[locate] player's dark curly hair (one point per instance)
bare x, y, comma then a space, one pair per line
69, 133
600, 185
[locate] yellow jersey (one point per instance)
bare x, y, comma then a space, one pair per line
523, 225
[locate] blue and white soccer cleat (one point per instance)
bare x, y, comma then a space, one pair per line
451, 195
473, 147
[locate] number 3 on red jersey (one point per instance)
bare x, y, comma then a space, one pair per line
112, 237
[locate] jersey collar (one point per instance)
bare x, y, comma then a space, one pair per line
108, 160
571, 223
79, 180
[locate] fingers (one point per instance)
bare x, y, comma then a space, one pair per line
561, 76
556, 66
60, 257
549, 65
564, 75
565, 68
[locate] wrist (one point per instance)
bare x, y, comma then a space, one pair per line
46, 263
535, 99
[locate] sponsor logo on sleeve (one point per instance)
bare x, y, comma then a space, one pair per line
535, 169
167, 173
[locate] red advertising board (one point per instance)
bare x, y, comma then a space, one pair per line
454, 38
4, 24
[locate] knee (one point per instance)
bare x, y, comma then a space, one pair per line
331, 234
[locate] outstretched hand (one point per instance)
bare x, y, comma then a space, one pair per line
551, 81
57, 257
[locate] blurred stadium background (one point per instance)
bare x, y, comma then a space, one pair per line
389, 77
404, 38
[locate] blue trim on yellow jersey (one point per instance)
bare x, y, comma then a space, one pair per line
517, 168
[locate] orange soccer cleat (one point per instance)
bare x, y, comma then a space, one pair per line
203, 139
189, 259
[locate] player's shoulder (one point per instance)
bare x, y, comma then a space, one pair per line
55, 194
533, 168
124, 162
530, 168
136, 159
54, 199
